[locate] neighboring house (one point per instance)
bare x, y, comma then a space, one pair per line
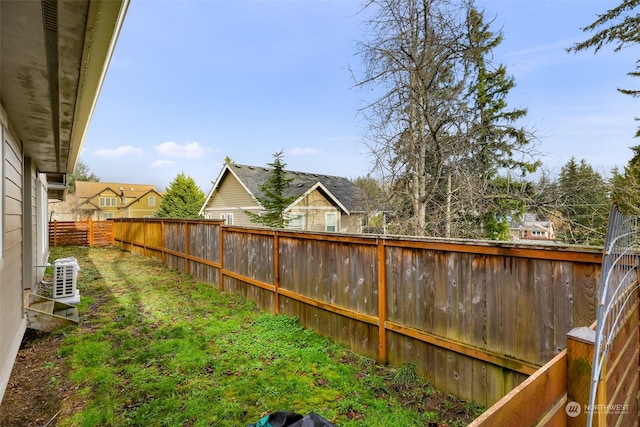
322, 202
532, 229
105, 200
54, 56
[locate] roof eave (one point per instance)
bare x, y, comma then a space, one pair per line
104, 22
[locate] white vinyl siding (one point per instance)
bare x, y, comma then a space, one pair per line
13, 322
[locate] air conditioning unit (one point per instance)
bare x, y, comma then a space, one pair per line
65, 276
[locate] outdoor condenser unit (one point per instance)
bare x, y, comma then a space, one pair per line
65, 275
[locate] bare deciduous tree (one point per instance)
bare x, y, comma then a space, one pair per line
439, 129
414, 64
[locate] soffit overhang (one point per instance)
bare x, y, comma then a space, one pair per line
53, 58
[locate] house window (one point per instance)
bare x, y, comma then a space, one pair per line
107, 215
330, 221
152, 200
107, 201
296, 222
227, 217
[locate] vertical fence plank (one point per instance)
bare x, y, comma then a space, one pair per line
579, 357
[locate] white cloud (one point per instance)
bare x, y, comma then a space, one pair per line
118, 152
162, 163
192, 150
298, 151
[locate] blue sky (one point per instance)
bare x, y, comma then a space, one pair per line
192, 82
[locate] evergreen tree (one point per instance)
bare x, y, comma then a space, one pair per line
80, 173
620, 25
625, 186
582, 200
496, 142
273, 200
183, 199
478, 192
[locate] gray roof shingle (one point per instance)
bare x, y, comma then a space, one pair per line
345, 191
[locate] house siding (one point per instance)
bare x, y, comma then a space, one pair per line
113, 210
85, 203
351, 223
314, 208
231, 193
13, 322
141, 208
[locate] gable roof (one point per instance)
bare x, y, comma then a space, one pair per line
341, 191
85, 191
92, 189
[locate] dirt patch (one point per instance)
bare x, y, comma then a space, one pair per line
38, 385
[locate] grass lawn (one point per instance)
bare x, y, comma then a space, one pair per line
157, 348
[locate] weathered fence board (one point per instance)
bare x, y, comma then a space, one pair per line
542, 394
475, 318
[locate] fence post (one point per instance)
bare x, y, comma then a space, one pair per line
90, 227
164, 244
55, 233
276, 271
382, 303
580, 348
221, 256
144, 238
187, 243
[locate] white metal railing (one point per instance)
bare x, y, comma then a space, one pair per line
618, 281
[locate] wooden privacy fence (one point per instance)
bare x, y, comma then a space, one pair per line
81, 233
476, 318
558, 393
595, 381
